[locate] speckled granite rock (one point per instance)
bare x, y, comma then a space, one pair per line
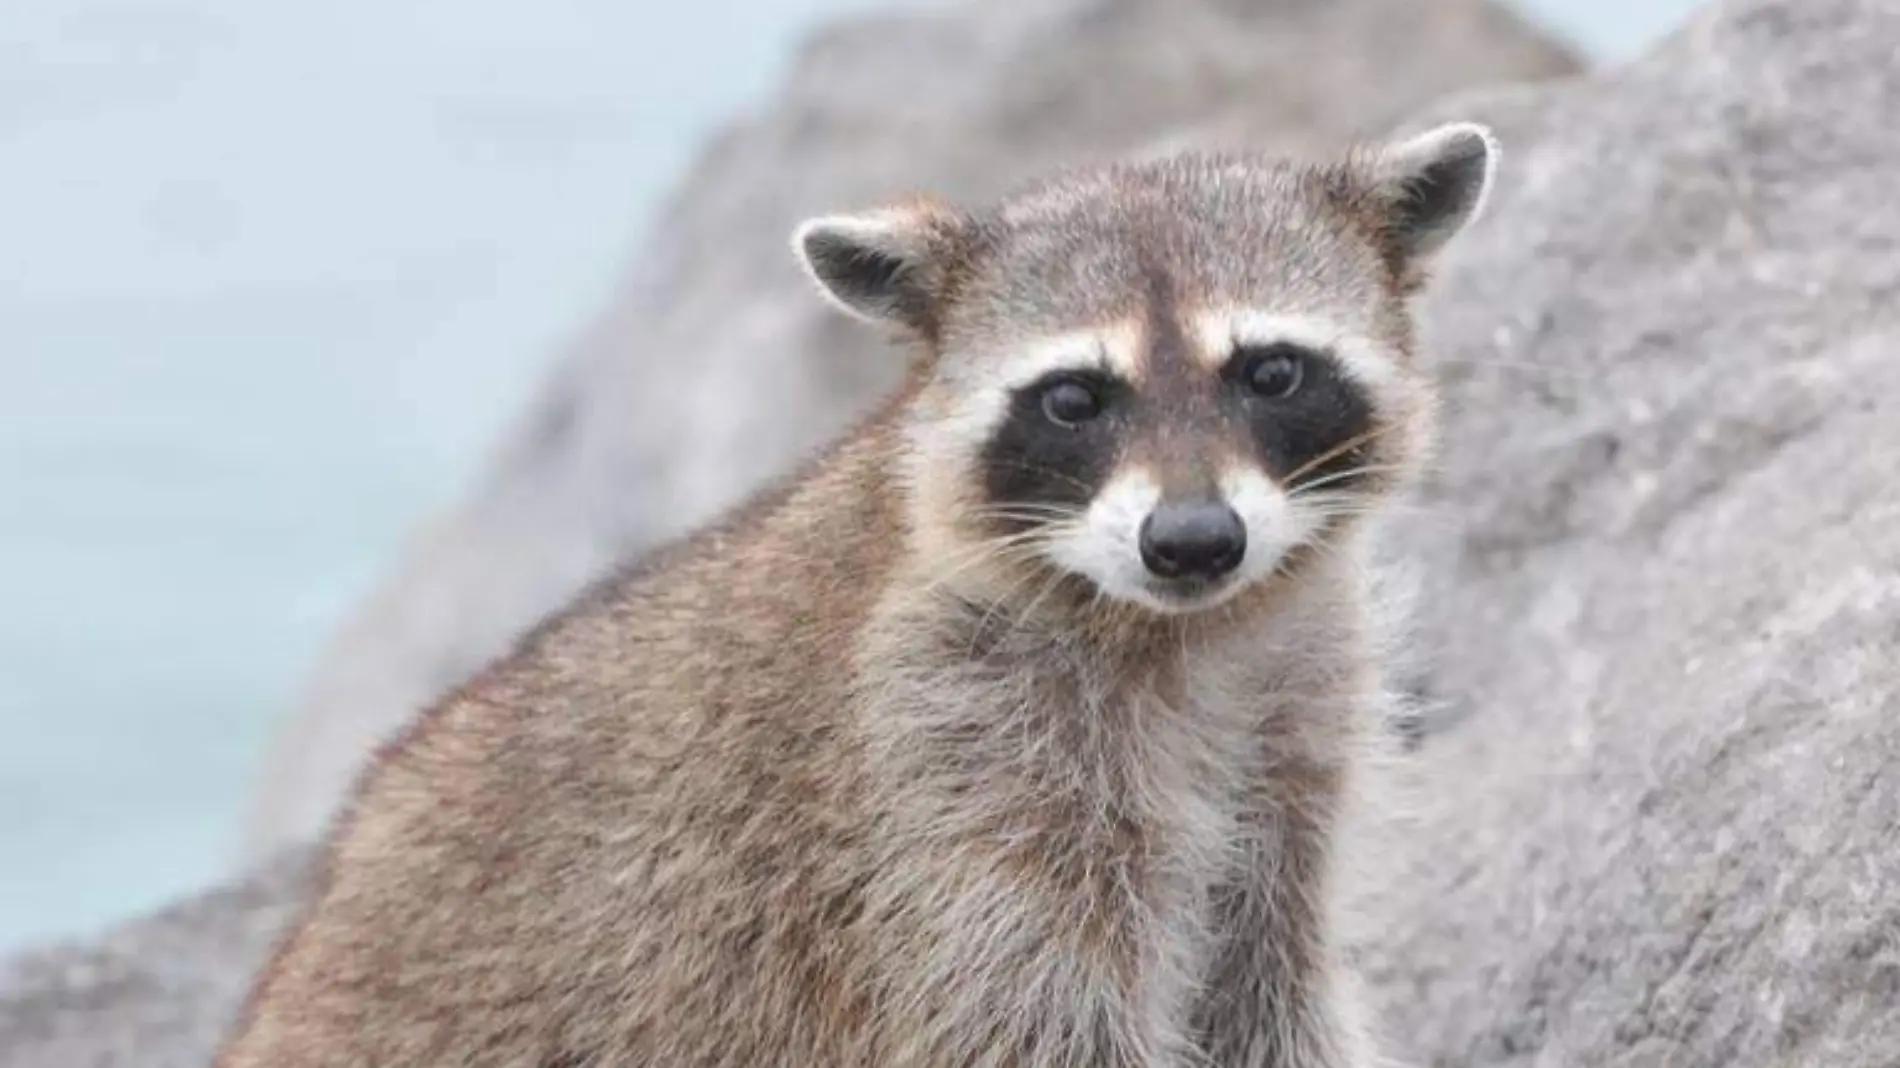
717, 369
1663, 827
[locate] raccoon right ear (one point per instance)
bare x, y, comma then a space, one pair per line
1433, 185
881, 266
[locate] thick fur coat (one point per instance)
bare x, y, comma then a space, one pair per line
944, 752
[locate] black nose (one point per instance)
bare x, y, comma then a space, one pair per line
1204, 540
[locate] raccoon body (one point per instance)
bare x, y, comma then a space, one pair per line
1013, 731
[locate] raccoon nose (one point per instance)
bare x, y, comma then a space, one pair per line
1201, 540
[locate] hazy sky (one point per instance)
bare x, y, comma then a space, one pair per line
1610, 29
272, 276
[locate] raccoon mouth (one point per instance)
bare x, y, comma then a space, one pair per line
1190, 594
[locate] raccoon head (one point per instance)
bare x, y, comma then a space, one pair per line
1160, 383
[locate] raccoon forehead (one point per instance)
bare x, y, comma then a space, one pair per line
1085, 267
1217, 182
1011, 362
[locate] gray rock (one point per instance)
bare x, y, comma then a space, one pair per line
155, 993
716, 369
1661, 827
1668, 572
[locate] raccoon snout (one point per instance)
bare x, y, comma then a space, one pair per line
1202, 540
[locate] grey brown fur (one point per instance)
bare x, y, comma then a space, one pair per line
836, 782
630, 444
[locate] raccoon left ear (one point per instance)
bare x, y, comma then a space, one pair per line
1433, 185
883, 266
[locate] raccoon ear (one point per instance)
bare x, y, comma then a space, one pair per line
1433, 184
883, 266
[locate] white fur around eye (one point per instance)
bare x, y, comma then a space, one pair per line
1110, 349
1216, 332
978, 386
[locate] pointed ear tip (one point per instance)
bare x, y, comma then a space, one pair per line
1457, 139
800, 237
1487, 138
852, 259
804, 242
816, 227
835, 232
1468, 128
1471, 149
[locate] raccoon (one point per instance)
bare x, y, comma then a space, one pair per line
1013, 730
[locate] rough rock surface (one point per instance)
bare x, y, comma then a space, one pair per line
1668, 830
1662, 829
717, 369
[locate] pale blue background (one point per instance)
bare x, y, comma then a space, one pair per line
271, 276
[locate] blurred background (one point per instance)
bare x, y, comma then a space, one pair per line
273, 278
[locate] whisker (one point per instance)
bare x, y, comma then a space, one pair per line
1341, 476
1035, 602
1348, 503
982, 624
1028, 506
1043, 469
1025, 514
1023, 546
1337, 451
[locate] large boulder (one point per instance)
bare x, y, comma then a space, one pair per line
717, 369
1667, 581
1661, 827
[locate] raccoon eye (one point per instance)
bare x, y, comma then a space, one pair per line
1273, 371
1069, 402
